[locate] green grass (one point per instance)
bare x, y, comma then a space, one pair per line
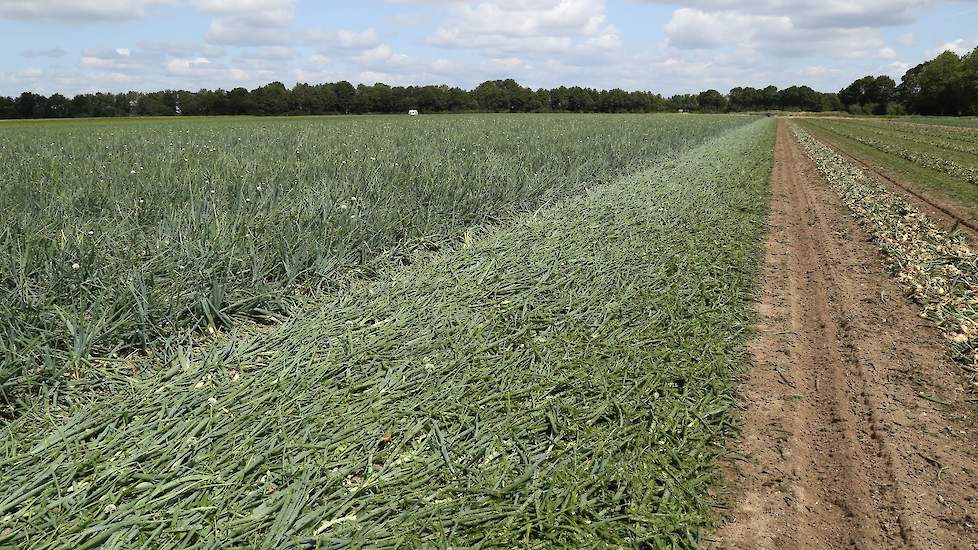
126, 237
963, 122
566, 381
912, 137
953, 143
925, 176
949, 121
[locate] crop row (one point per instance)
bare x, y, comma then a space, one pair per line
954, 134
938, 269
933, 162
564, 382
911, 133
956, 122
126, 238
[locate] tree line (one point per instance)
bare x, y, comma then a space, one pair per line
345, 98
945, 85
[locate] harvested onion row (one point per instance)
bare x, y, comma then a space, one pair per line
937, 267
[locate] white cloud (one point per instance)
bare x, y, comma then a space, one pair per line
698, 29
757, 36
204, 70
49, 81
269, 53
960, 46
818, 71
773, 35
817, 14
47, 52
118, 59
249, 22
382, 56
317, 60
76, 10
342, 39
116, 10
896, 69
526, 27
234, 22
182, 49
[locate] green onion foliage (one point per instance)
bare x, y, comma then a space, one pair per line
566, 381
126, 237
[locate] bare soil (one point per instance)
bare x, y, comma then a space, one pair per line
856, 430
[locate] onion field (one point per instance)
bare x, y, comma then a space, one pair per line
437, 332
123, 241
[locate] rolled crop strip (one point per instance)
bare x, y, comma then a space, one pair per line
937, 267
565, 382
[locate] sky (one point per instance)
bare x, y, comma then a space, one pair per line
75, 46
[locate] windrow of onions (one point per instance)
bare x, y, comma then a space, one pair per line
937, 267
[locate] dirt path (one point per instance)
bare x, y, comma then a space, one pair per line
842, 450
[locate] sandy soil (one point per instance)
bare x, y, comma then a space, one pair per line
845, 440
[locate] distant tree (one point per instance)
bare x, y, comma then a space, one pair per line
157, 104
118, 104
800, 98
869, 94
30, 105
58, 106
771, 97
501, 96
305, 101
942, 85
969, 82
540, 101
613, 101
857, 92
461, 100
830, 102
908, 92
346, 97
685, 102
203, 103
240, 102
8, 107
378, 98
581, 100
746, 99
271, 99
882, 90
947, 84
712, 101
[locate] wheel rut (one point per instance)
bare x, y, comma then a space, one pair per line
841, 449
